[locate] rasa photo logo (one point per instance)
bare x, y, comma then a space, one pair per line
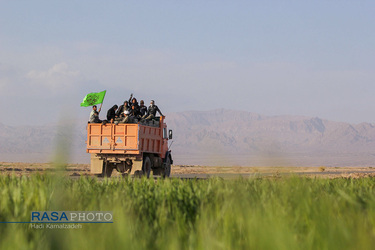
68, 219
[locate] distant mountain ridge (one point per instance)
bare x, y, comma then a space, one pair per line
254, 139
39, 143
223, 137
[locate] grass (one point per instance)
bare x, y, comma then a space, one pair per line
282, 213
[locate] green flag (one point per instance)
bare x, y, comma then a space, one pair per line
93, 98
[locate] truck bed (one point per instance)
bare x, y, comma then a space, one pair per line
125, 138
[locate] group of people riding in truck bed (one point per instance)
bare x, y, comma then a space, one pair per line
129, 112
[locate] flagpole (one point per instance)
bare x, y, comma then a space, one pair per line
101, 104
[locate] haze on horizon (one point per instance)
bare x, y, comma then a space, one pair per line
270, 57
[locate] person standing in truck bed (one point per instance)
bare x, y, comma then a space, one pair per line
151, 111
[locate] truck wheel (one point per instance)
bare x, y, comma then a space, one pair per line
157, 171
138, 173
107, 169
146, 167
167, 168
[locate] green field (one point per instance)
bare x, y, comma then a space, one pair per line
278, 213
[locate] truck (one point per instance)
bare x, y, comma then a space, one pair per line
130, 148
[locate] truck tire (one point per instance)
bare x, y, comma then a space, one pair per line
146, 168
157, 171
167, 168
107, 169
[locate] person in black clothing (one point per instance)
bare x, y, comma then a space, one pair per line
142, 108
121, 110
111, 113
134, 103
134, 113
124, 107
151, 111
134, 108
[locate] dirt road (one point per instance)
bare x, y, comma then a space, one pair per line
19, 169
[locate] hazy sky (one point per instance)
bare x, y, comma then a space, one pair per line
313, 58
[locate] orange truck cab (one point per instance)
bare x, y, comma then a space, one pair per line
130, 148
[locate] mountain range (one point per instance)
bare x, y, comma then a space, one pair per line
218, 137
